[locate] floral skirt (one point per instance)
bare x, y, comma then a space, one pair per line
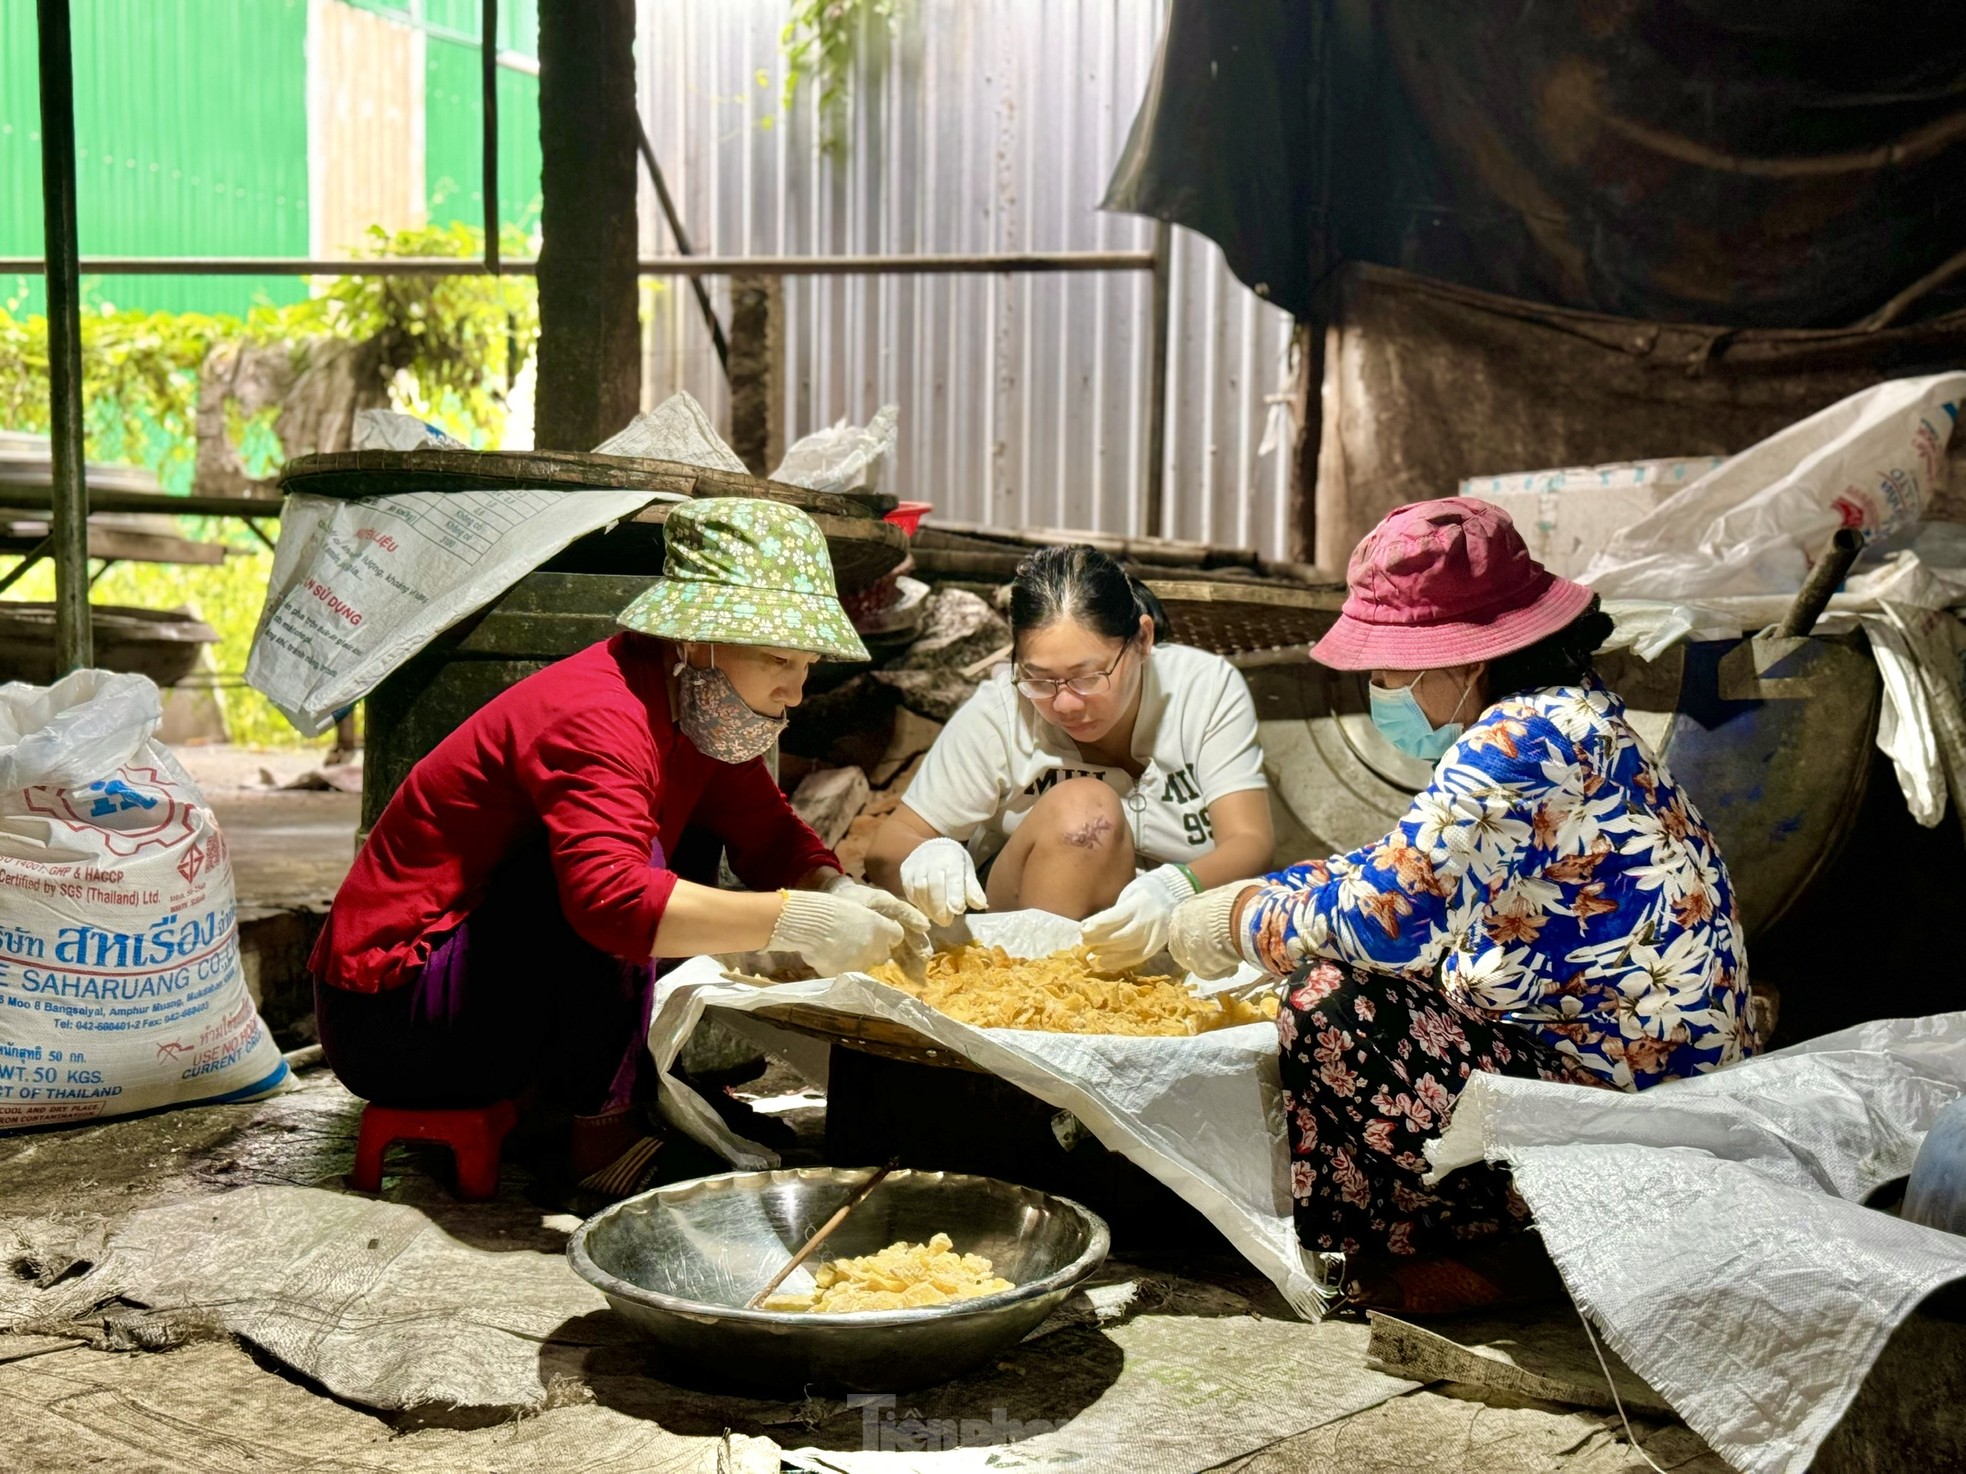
1371, 1065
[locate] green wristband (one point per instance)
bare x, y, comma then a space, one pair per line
1193, 879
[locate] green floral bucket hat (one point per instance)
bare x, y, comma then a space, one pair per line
746, 571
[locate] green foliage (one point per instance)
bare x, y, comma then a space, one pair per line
139, 384
449, 348
819, 41
451, 344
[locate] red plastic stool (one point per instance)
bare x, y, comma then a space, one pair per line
475, 1137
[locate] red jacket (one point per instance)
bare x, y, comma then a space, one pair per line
585, 751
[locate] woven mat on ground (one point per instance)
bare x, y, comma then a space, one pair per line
382, 1307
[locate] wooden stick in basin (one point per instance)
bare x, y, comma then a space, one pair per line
805, 1250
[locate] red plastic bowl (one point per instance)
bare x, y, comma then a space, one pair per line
908, 515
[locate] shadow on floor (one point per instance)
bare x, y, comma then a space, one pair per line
1036, 1387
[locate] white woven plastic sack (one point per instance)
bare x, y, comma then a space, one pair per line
1715, 1228
120, 984
358, 587
1873, 461
1201, 1114
842, 457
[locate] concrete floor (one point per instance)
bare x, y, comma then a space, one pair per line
78, 1396
79, 1399
289, 850
288, 847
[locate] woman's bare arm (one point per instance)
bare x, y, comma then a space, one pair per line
701, 919
898, 837
1245, 839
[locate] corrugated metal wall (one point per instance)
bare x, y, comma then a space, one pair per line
454, 138
979, 125
160, 169
364, 127
447, 104
458, 20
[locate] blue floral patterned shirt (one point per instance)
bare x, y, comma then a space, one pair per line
1553, 876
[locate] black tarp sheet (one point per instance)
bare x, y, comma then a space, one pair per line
1755, 163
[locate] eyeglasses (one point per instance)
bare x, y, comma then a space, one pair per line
1042, 688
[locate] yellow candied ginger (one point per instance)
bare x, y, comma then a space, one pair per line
1062, 994
902, 1276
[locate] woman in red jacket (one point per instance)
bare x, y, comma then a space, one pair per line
496, 934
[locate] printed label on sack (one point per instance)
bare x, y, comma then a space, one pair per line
134, 811
121, 987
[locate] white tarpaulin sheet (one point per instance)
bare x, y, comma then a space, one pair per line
1726, 553
1202, 1114
359, 586
1903, 605
1715, 1228
1874, 461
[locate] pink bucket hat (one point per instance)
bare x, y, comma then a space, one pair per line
1446, 582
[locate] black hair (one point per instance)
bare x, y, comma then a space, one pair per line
1561, 659
1079, 582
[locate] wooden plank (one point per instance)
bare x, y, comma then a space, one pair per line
32, 499
1166, 550
118, 544
1266, 595
124, 546
361, 473
1542, 1356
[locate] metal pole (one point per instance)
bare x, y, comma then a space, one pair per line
74, 644
683, 245
488, 76
1156, 500
912, 264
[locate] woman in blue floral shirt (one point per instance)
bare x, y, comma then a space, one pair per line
1552, 905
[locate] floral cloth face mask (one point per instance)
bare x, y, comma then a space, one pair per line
718, 722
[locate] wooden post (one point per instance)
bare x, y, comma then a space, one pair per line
590, 370
74, 636
488, 140
1307, 346
1153, 518
757, 371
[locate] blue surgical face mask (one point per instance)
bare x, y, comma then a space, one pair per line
1397, 715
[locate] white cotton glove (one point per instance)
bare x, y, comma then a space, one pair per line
939, 879
1202, 935
834, 935
916, 946
1134, 927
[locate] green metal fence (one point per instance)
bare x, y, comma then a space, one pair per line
191, 139
453, 101
192, 132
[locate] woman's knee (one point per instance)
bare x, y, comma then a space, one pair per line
1083, 814
1329, 986
1325, 995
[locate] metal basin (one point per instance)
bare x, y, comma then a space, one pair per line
680, 1262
